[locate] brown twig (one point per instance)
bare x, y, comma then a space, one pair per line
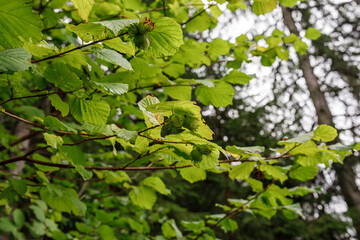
74, 49
164, 7
198, 14
33, 96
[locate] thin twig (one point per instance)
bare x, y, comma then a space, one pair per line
74, 49
33, 96
164, 7
198, 14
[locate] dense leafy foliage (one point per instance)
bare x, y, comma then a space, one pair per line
99, 89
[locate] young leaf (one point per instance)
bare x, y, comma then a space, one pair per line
84, 7
220, 96
143, 197
312, 33
53, 140
58, 104
193, 174
325, 133
242, 171
166, 38
157, 184
263, 6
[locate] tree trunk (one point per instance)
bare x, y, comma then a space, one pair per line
345, 173
22, 129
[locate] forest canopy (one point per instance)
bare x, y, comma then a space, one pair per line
103, 132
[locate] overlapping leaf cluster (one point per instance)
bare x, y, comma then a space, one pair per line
107, 122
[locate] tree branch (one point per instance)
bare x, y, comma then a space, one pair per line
38, 95
198, 14
74, 49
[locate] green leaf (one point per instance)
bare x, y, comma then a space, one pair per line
312, 33
273, 172
288, 3
282, 53
112, 57
325, 133
6, 225
63, 200
136, 226
116, 25
166, 38
220, 96
167, 230
209, 161
256, 185
144, 104
58, 235
242, 171
85, 174
55, 123
193, 174
295, 208
300, 47
39, 50
53, 140
14, 60
303, 173
301, 191
37, 228
106, 232
341, 147
62, 77
84, 228
19, 186
300, 139
175, 70
39, 213
113, 177
157, 184
17, 21
84, 7
229, 225
113, 88
240, 150
19, 218
292, 38
263, 6
218, 47
200, 23
179, 92
236, 77
92, 111
59, 105
143, 197
87, 32
120, 46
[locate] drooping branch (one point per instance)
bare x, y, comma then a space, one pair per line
197, 15
125, 168
33, 96
76, 48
